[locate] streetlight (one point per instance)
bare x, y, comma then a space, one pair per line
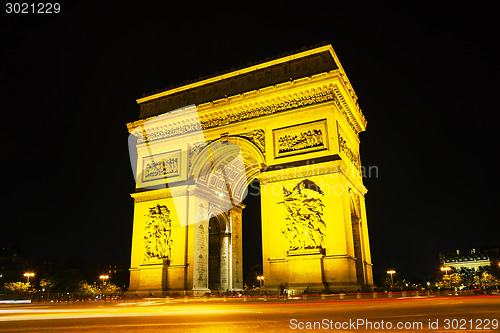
28, 275
104, 278
445, 269
261, 280
391, 272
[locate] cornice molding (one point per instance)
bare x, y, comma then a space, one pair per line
164, 193
301, 172
311, 170
346, 111
350, 90
159, 130
268, 107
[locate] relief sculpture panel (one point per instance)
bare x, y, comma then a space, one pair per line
157, 233
257, 137
304, 228
345, 147
161, 166
303, 138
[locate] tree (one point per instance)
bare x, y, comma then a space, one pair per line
17, 287
110, 288
47, 284
450, 281
89, 289
93, 290
467, 275
68, 279
486, 280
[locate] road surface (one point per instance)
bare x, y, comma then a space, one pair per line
433, 314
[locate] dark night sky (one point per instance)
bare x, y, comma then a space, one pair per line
426, 78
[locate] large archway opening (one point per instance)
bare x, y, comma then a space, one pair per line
214, 254
225, 173
252, 236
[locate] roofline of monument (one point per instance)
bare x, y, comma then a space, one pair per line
246, 70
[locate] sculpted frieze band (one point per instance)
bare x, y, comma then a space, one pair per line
193, 125
292, 103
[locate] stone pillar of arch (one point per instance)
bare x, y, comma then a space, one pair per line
313, 240
237, 248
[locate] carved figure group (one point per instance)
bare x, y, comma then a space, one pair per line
161, 168
304, 228
157, 233
309, 139
353, 157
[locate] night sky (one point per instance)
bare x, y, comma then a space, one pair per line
426, 78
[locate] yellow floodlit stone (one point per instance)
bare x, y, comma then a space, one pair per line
292, 123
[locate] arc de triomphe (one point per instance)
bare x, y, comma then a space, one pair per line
292, 123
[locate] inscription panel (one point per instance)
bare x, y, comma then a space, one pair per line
300, 139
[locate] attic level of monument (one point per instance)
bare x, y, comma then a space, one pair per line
285, 69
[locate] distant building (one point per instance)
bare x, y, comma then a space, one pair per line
118, 274
12, 264
472, 260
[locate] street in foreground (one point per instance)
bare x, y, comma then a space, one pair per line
434, 314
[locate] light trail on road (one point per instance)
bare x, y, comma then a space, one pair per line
277, 316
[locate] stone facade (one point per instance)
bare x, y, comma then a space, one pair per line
199, 146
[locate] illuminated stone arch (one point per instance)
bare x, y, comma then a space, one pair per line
294, 124
227, 166
221, 217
